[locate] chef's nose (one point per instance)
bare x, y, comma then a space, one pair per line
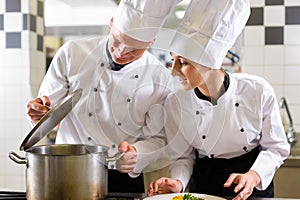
123, 50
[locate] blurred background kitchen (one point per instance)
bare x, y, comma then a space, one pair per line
31, 31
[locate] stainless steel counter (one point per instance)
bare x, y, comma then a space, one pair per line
287, 178
294, 158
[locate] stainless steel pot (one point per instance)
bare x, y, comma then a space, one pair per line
66, 171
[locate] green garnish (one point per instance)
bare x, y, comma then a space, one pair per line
191, 197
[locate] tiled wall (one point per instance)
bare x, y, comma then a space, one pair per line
22, 67
272, 49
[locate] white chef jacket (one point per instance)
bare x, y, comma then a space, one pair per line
115, 106
246, 115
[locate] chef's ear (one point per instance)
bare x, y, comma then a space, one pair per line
111, 22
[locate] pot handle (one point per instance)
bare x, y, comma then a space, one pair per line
16, 158
115, 157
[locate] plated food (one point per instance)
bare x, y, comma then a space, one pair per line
180, 196
187, 197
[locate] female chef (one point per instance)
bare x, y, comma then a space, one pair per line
224, 131
233, 123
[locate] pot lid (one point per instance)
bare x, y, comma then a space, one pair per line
50, 120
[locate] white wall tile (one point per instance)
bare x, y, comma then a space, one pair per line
13, 22
12, 168
25, 42
273, 55
252, 70
33, 40
274, 74
25, 6
292, 93
253, 55
2, 6
11, 57
37, 60
279, 91
33, 7
295, 114
292, 2
26, 59
297, 127
40, 26
291, 34
14, 74
16, 182
12, 114
292, 55
257, 3
274, 15
36, 76
292, 75
254, 35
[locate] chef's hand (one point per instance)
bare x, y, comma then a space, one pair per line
164, 185
128, 161
37, 108
245, 184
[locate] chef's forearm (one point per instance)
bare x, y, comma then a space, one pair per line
149, 150
182, 170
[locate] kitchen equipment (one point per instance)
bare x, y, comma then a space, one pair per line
63, 171
51, 119
17, 195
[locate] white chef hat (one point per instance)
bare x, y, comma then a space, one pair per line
142, 19
207, 31
205, 34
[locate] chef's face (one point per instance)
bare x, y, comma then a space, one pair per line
190, 75
124, 49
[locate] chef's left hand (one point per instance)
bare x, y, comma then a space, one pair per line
245, 184
128, 161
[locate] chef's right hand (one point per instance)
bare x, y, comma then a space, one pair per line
128, 161
37, 108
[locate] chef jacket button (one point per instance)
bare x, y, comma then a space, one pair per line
113, 146
90, 114
112, 166
128, 100
95, 89
212, 155
245, 149
203, 137
242, 130
89, 139
136, 76
237, 104
119, 123
197, 112
102, 64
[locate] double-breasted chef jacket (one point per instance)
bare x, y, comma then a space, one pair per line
115, 106
245, 116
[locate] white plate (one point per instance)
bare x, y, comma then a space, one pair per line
170, 196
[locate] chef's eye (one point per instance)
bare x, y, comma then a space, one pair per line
183, 63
